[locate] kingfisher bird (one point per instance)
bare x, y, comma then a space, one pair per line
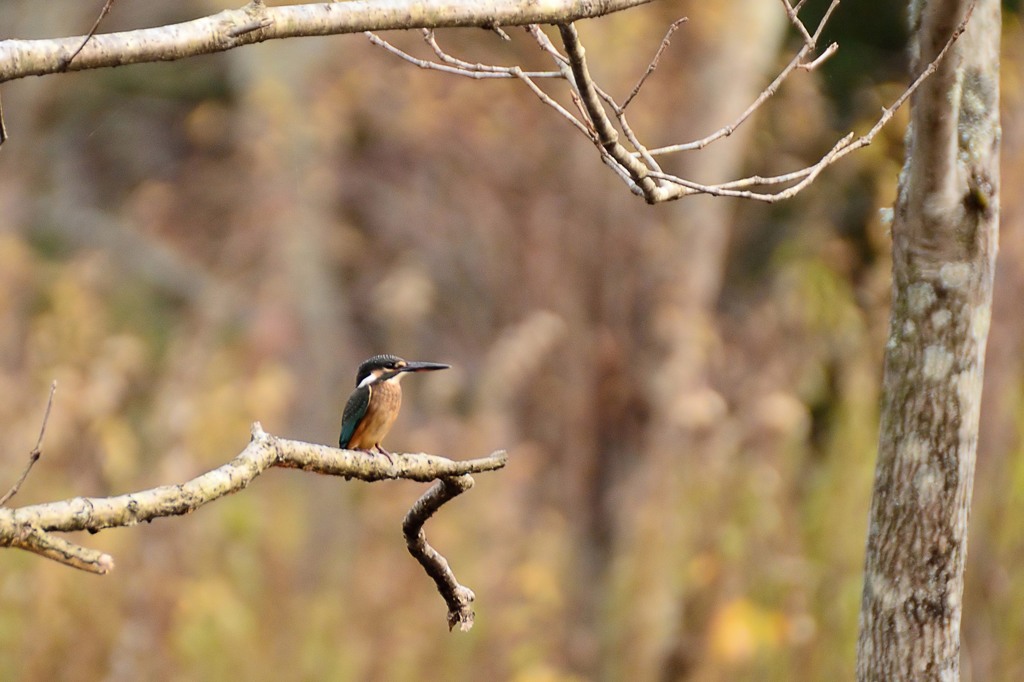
373, 406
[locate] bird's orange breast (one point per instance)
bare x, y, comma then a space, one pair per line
385, 401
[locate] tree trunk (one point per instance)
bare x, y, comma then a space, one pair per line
945, 235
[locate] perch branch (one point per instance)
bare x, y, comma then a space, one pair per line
29, 527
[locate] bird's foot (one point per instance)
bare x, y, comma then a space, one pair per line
385, 453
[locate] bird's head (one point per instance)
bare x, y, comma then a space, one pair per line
381, 368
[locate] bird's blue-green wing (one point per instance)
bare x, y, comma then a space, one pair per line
355, 409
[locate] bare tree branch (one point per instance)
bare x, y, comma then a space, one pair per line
820, 59
798, 61
63, 551
843, 147
30, 527
644, 176
34, 455
448, 64
256, 22
638, 167
458, 597
607, 137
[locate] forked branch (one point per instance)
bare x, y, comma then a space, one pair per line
640, 171
598, 116
31, 527
602, 120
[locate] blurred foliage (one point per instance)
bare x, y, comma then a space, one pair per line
689, 392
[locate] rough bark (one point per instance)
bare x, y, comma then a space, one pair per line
945, 236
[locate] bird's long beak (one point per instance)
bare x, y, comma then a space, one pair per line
423, 367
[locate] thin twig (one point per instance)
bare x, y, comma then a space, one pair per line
728, 130
33, 456
430, 38
459, 67
832, 7
96, 24
46, 416
808, 175
765, 94
564, 69
3, 125
820, 59
501, 33
654, 62
798, 24
562, 111
453, 65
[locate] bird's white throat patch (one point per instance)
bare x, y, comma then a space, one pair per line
375, 376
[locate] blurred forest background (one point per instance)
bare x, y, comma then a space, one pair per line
688, 392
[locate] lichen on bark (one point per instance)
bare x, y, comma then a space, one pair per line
945, 236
